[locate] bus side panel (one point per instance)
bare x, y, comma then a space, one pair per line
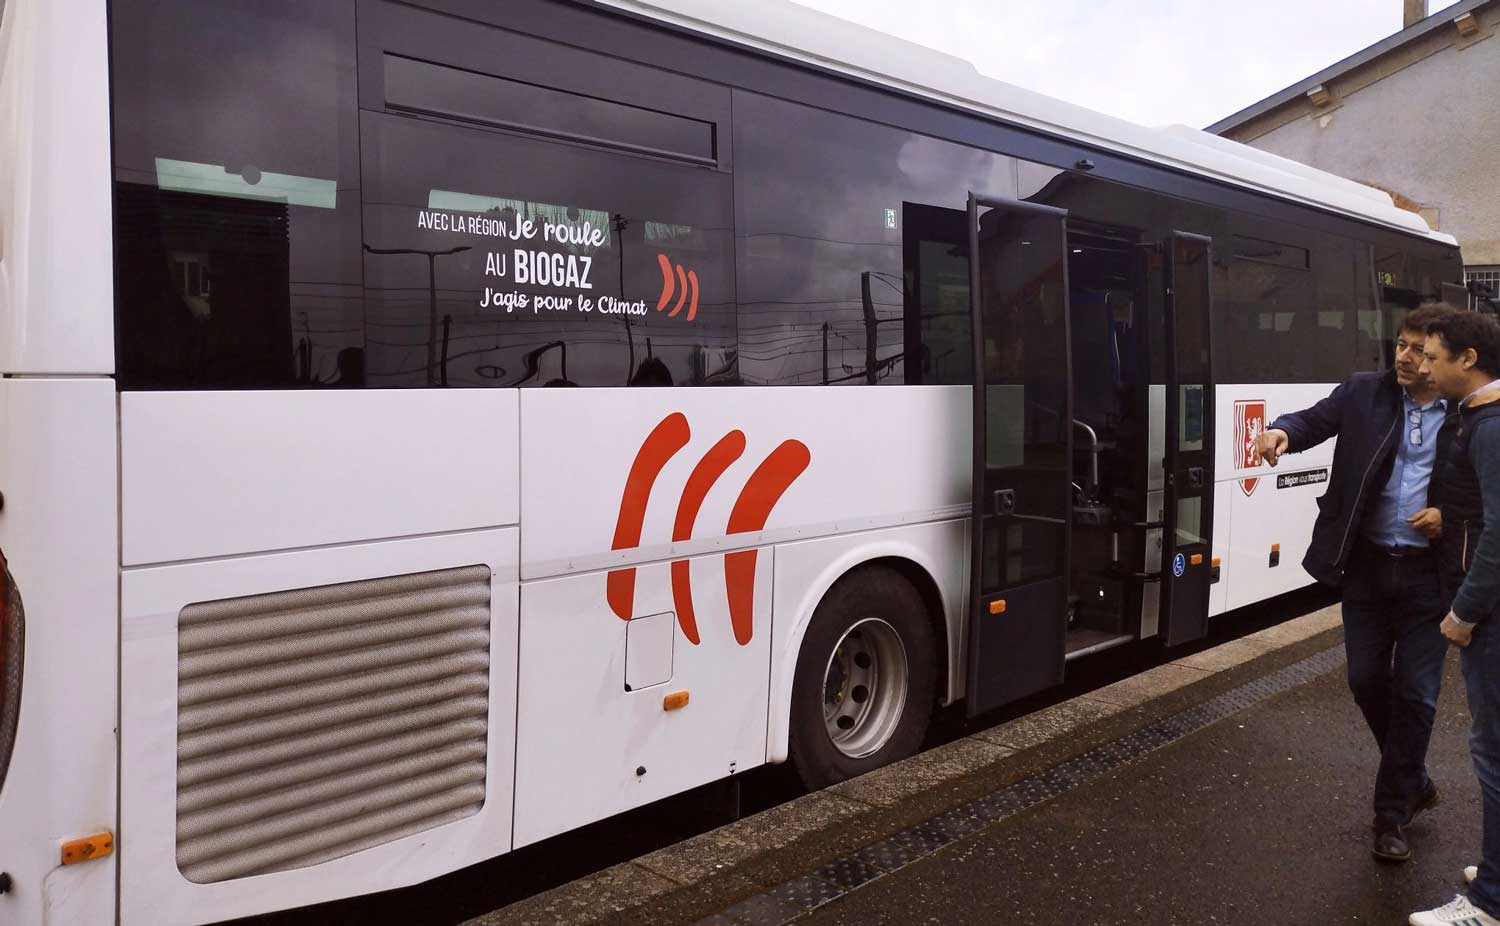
59, 532
805, 571
56, 288
225, 473
1267, 507
839, 459
596, 732
620, 485
1218, 593
154, 889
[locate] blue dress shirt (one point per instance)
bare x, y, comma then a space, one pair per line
1405, 492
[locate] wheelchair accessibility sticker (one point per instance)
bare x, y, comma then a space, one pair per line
1179, 566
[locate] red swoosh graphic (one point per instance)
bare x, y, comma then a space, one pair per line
704, 475
681, 297
693, 306
761, 493
668, 437
666, 281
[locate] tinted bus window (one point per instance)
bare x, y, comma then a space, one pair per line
1291, 313
497, 259
845, 227
1370, 351
237, 194
1271, 252
418, 86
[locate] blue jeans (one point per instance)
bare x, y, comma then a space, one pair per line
1393, 607
1481, 665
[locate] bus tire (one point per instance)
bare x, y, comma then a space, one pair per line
865, 683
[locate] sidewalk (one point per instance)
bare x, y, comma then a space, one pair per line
1230, 787
1259, 818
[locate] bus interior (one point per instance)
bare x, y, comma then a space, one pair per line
1109, 272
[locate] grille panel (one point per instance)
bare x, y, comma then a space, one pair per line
319, 722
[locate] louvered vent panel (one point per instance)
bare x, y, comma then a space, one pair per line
318, 722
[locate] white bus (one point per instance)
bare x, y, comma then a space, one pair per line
346, 543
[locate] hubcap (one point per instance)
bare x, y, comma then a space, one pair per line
864, 688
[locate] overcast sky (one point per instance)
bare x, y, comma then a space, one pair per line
1150, 61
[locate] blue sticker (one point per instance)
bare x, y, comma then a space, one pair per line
1179, 565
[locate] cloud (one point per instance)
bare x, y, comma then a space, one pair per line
1153, 63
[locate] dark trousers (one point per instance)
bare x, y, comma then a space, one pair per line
1481, 665
1393, 607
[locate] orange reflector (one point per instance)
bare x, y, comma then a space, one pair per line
1197, 559
1215, 562
89, 847
997, 606
1275, 548
674, 701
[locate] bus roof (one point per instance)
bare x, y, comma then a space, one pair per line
790, 30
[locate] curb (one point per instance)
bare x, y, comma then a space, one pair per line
873, 805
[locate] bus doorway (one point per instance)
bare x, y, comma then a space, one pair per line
1093, 477
1143, 437
1113, 538
1079, 332
1023, 495
1188, 419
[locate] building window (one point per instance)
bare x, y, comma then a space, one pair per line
1488, 277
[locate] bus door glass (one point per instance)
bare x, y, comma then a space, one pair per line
1022, 450
1187, 509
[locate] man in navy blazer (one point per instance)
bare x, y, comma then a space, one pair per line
1371, 539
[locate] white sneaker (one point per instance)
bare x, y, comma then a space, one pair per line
1470, 873
1457, 912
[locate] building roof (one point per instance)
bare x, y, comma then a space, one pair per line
1416, 30
792, 31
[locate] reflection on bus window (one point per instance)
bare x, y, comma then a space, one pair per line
236, 194
836, 284
498, 259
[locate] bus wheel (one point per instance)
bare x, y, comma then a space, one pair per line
865, 683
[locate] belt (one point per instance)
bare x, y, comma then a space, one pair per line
1396, 552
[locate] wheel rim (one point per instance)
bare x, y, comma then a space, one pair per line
864, 688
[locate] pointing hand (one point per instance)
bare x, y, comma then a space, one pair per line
1271, 445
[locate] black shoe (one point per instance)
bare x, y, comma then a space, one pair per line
1391, 845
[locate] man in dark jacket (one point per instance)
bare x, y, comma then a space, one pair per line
1463, 362
1372, 539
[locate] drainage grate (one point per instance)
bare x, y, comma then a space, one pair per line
792, 899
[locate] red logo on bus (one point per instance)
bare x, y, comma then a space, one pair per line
762, 491
684, 283
1249, 422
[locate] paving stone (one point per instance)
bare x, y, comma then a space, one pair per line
1046, 725
887, 855
849, 872
1138, 689
893, 784
692, 860
806, 893
1223, 657
581, 902
763, 910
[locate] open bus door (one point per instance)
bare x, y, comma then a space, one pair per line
1023, 453
1188, 467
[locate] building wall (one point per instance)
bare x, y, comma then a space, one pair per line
1422, 121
